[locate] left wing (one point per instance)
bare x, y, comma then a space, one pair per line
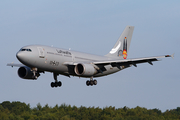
99, 65
118, 63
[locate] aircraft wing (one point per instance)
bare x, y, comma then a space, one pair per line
118, 63
15, 65
123, 62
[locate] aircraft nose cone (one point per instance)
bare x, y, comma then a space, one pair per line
19, 56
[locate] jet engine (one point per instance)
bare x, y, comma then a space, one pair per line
25, 73
85, 70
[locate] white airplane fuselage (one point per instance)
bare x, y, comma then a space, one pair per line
53, 59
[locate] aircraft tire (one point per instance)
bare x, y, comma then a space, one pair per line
59, 83
55, 84
91, 83
87, 82
35, 77
52, 84
95, 82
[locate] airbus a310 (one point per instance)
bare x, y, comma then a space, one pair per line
38, 59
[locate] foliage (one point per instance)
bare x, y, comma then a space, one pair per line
22, 111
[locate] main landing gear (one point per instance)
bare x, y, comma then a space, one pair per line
91, 82
56, 83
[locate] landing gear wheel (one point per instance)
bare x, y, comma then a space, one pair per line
59, 83
35, 77
56, 84
95, 82
91, 83
52, 84
87, 82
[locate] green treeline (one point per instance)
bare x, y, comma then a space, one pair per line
22, 111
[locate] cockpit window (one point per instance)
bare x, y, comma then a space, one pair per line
26, 50
29, 50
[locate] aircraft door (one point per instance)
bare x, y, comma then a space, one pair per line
41, 52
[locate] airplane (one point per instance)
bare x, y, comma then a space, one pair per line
38, 59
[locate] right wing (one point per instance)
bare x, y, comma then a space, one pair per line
15, 65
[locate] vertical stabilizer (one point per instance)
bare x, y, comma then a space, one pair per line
121, 48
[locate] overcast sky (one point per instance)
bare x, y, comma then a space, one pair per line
94, 27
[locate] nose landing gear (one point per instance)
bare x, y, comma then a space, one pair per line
35, 73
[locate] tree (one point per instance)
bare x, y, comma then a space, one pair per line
21, 111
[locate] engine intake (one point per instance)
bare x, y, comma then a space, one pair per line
85, 70
25, 73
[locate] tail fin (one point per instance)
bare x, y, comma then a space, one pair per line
121, 47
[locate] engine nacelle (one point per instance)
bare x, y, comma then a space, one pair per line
25, 73
85, 70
